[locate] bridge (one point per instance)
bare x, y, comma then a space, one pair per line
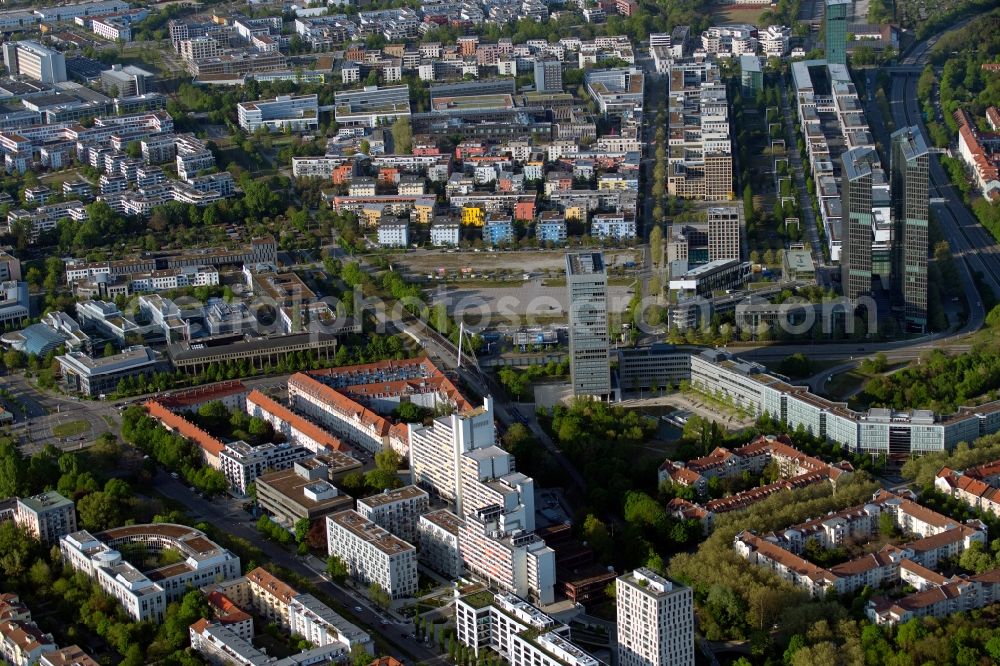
905, 70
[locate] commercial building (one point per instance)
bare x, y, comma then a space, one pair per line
861, 173
659, 365
707, 278
127, 81
751, 76
145, 595
371, 106
618, 92
32, 60
372, 555
296, 113
909, 190
100, 376
242, 463
303, 491
589, 340
396, 510
437, 542
655, 620
836, 30
47, 516
520, 633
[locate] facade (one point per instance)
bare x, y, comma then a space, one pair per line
520, 633
145, 595
909, 188
589, 343
296, 113
47, 516
397, 510
436, 450
655, 620
437, 542
836, 30
34, 61
372, 555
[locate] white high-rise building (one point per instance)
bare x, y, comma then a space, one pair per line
655, 621
436, 450
34, 61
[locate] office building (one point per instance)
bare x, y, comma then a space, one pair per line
34, 61
371, 106
548, 75
655, 620
521, 633
837, 12
751, 76
372, 555
589, 343
725, 224
296, 113
909, 192
397, 510
99, 376
303, 491
145, 595
14, 303
47, 516
861, 172
126, 81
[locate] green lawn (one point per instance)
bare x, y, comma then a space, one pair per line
70, 428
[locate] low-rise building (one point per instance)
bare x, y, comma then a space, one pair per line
97, 377
242, 463
296, 113
302, 491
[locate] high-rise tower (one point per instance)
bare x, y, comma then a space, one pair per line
589, 342
909, 188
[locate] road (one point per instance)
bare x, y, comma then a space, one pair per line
228, 516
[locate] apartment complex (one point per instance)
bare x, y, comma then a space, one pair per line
47, 516
372, 554
397, 510
437, 542
520, 633
242, 463
589, 339
145, 595
655, 620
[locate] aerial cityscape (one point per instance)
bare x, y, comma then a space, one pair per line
521, 332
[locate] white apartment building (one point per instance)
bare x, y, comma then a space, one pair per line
145, 595
620, 226
518, 562
437, 540
655, 620
371, 554
444, 234
242, 463
397, 510
47, 516
488, 479
393, 233
297, 113
435, 450
520, 633
774, 41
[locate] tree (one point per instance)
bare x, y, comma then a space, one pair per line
359, 656
336, 569
595, 533
379, 596
656, 244
99, 511
109, 350
402, 136
302, 526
